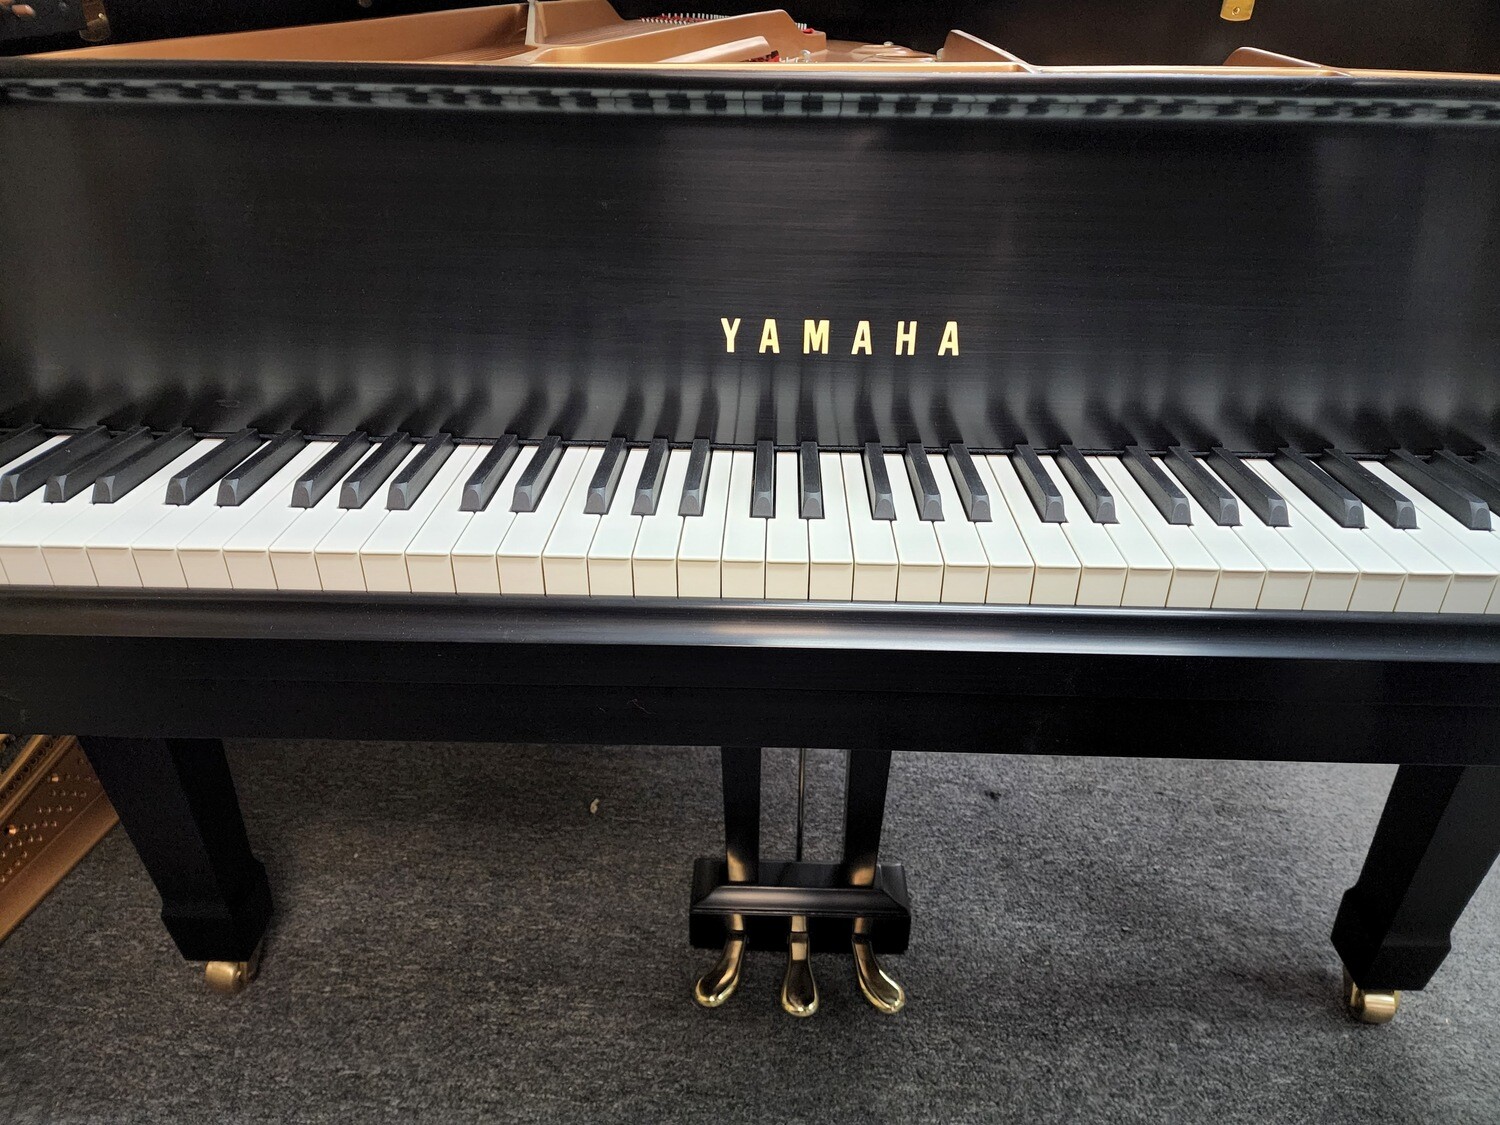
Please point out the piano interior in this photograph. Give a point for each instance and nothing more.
(591, 33)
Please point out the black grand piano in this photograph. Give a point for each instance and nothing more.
(544, 372)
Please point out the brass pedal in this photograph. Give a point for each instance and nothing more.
(799, 988)
(881, 989)
(52, 812)
(717, 985)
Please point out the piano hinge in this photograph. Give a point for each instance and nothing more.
(1237, 10)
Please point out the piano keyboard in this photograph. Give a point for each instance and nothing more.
(431, 515)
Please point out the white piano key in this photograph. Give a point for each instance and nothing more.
(154, 550)
(293, 561)
(66, 550)
(653, 560)
(966, 567)
(429, 555)
(14, 513)
(109, 547)
(565, 558)
(609, 562)
(830, 550)
(919, 577)
(1470, 554)
(519, 559)
(1288, 576)
(1195, 571)
(701, 549)
(787, 534)
(873, 545)
(1336, 576)
(744, 568)
(463, 548)
(1058, 570)
(337, 554)
(1148, 570)
(1101, 580)
(1379, 578)
(247, 555)
(1428, 577)
(26, 524)
(383, 556)
(200, 552)
(33, 522)
(1242, 576)
(1012, 572)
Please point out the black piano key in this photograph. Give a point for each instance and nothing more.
(878, 483)
(695, 484)
(246, 478)
(1463, 474)
(924, 487)
(1159, 488)
(1489, 460)
(1457, 501)
(377, 467)
(971, 490)
(606, 478)
(1039, 485)
(330, 468)
(485, 480)
(653, 472)
(1342, 506)
(120, 479)
(810, 473)
(763, 481)
(1098, 501)
(1252, 488)
(1206, 488)
(537, 474)
(72, 479)
(26, 478)
(418, 473)
(20, 442)
(1387, 503)
(205, 472)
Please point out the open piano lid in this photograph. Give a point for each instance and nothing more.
(591, 33)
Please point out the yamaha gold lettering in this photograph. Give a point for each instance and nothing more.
(822, 337)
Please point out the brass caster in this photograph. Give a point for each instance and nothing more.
(799, 988)
(1367, 1006)
(231, 977)
(879, 987)
(719, 983)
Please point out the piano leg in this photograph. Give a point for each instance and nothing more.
(864, 818)
(177, 802)
(1437, 838)
(741, 769)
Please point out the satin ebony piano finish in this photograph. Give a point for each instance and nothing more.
(1315, 687)
(1246, 262)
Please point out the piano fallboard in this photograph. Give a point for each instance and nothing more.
(1122, 682)
(1241, 261)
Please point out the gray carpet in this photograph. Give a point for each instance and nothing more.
(460, 938)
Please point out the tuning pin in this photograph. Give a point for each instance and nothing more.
(799, 989)
(879, 987)
(719, 983)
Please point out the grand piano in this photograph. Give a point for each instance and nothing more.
(545, 372)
